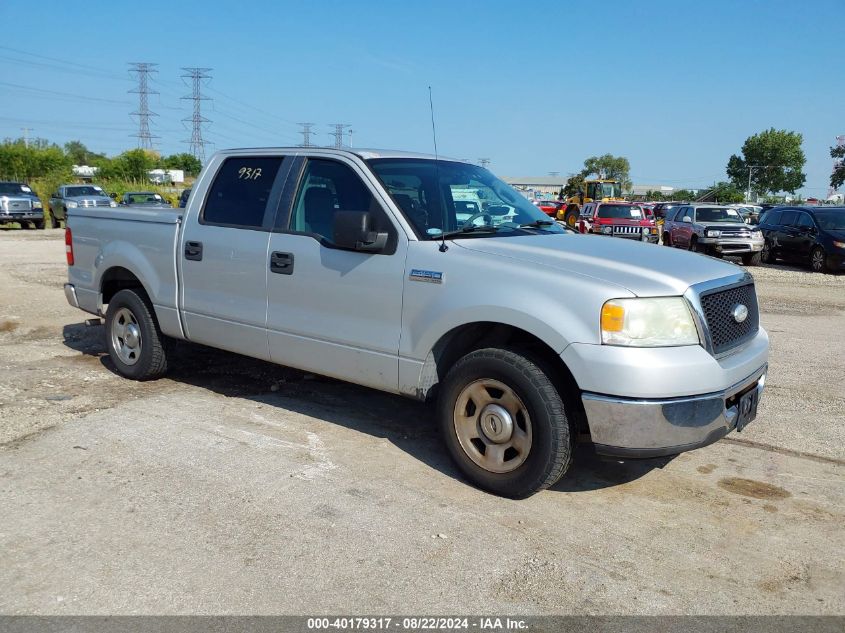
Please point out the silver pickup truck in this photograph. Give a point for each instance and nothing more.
(354, 264)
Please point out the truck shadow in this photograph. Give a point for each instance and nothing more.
(407, 424)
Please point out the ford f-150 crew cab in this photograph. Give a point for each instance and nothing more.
(359, 265)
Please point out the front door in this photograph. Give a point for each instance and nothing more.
(223, 255)
(331, 311)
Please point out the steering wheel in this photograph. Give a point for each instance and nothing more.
(481, 214)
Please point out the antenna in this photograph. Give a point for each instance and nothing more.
(443, 247)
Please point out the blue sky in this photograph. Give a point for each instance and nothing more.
(535, 86)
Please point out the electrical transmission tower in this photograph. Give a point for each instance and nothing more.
(484, 161)
(306, 134)
(339, 131)
(143, 71)
(197, 144)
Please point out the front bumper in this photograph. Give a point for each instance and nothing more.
(728, 246)
(22, 216)
(630, 427)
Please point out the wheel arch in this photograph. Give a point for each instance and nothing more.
(463, 339)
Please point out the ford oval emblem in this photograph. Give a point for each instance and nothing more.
(740, 313)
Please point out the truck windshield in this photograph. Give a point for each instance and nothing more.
(712, 214)
(445, 196)
(13, 189)
(620, 211)
(72, 192)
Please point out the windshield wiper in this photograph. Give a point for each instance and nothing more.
(536, 224)
(472, 228)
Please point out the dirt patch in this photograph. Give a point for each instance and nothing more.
(751, 488)
(8, 326)
(706, 470)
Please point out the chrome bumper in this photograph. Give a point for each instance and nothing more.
(628, 427)
(70, 295)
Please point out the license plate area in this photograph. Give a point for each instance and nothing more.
(747, 408)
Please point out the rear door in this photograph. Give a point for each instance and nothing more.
(787, 234)
(223, 254)
(805, 237)
(682, 230)
(331, 311)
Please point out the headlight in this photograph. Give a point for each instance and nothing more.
(607, 230)
(646, 230)
(36, 204)
(648, 322)
(112, 203)
(839, 244)
(70, 204)
(713, 233)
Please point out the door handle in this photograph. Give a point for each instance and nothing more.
(193, 251)
(281, 263)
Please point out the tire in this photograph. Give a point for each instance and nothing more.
(570, 218)
(54, 223)
(693, 245)
(766, 254)
(528, 407)
(751, 259)
(26, 226)
(667, 239)
(818, 260)
(139, 353)
(39, 225)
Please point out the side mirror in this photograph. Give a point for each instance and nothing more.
(687, 219)
(353, 230)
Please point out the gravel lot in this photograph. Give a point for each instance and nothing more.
(238, 487)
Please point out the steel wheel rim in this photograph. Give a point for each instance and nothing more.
(572, 221)
(493, 426)
(818, 259)
(126, 336)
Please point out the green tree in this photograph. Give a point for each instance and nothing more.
(683, 195)
(612, 167)
(189, 163)
(837, 178)
(727, 192)
(33, 159)
(134, 164)
(79, 154)
(773, 158)
(574, 185)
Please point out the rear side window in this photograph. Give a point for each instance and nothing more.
(788, 218)
(772, 217)
(238, 197)
(805, 221)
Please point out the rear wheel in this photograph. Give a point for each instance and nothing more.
(54, 223)
(38, 224)
(693, 245)
(135, 343)
(818, 260)
(504, 422)
(667, 239)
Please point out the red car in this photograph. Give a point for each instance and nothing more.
(618, 219)
(549, 207)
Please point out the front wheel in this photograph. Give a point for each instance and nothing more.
(751, 259)
(135, 343)
(54, 223)
(504, 422)
(38, 224)
(570, 216)
(766, 254)
(818, 260)
(694, 246)
(667, 239)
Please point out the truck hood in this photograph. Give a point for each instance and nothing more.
(644, 269)
(88, 198)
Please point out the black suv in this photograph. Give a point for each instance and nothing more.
(807, 235)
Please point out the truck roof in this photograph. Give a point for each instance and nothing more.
(365, 153)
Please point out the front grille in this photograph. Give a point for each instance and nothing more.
(718, 307)
(15, 205)
(738, 232)
(627, 230)
(102, 203)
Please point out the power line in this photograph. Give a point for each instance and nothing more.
(143, 71)
(338, 133)
(306, 134)
(42, 92)
(197, 144)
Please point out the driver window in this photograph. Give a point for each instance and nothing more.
(805, 221)
(327, 187)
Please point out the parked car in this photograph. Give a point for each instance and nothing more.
(144, 199)
(806, 235)
(617, 219)
(73, 196)
(183, 198)
(713, 230)
(526, 335)
(549, 207)
(19, 203)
